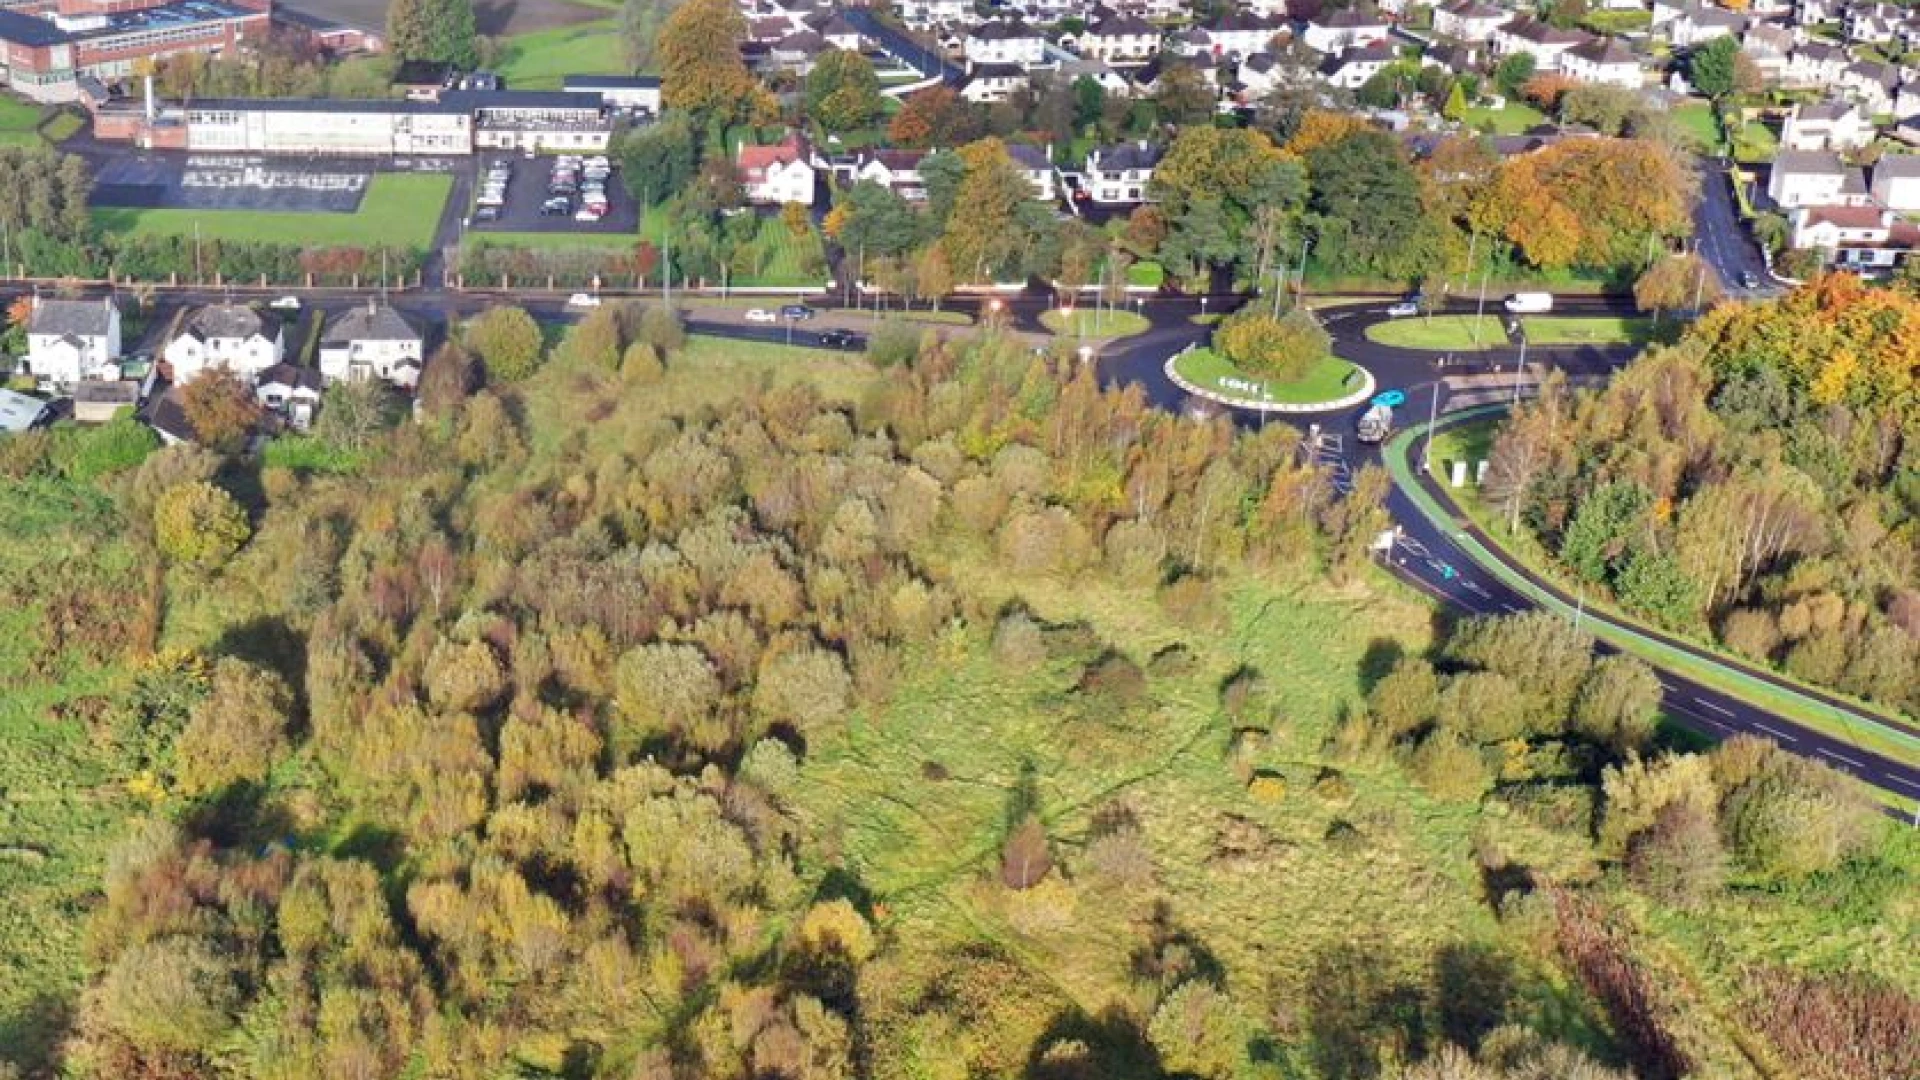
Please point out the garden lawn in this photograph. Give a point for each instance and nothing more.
(1696, 119)
(1515, 118)
(783, 257)
(539, 60)
(1572, 330)
(19, 123)
(1085, 322)
(1453, 333)
(1327, 380)
(1146, 274)
(399, 209)
(62, 127)
(1757, 143)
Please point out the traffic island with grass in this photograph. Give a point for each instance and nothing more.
(1091, 324)
(1329, 383)
(1441, 333)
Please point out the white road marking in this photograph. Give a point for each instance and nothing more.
(1904, 780)
(1842, 757)
(1776, 734)
(1474, 588)
(1511, 608)
(1721, 709)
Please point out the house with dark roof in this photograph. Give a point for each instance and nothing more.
(71, 340)
(837, 32)
(1896, 182)
(290, 392)
(1604, 61)
(1543, 41)
(640, 92)
(244, 340)
(1120, 39)
(1469, 20)
(988, 83)
(1351, 69)
(1118, 175)
(1826, 125)
(371, 341)
(1004, 42)
(1334, 31)
(1036, 164)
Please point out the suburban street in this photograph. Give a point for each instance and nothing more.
(1725, 243)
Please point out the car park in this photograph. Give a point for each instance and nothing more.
(760, 315)
(797, 312)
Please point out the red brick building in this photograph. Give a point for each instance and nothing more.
(59, 50)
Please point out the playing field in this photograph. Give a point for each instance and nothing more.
(399, 209)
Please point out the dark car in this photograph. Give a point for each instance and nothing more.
(1749, 279)
(556, 209)
(797, 312)
(841, 339)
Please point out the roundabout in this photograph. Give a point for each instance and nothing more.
(1332, 383)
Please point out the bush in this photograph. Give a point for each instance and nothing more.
(1449, 768)
(1281, 349)
(199, 525)
(507, 341)
(1025, 860)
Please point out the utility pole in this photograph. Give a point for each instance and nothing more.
(1699, 284)
(1433, 415)
(1520, 364)
(1480, 311)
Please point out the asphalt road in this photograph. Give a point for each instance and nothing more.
(1725, 243)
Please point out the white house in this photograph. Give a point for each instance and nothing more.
(1546, 43)
(1906, 102)
(371, 342)
(1258, 75)
(1118, 175)
(1871, 24)
(1469, 20)
(1603, 61)
(1121, 39)
(1815, 64)
(1828, 125)
(896, 170)
(71, 340)
(1807, 178)
(1896, 182)
(988, 83)
(1036, 164)
(1237, 34)
(1334, 31)
(1695, 25)
(232, 336)
(1872, 85)
(774, 175)
(999, 42)
(1769, 46)
(291, 392)
(839, 33)
(1351, 69)
(1859, 237)
(925, 13)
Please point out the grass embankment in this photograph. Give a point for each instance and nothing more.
(1549, 330)
(1089, 323)
(1514, 118)
(1451, 333)
(1328, 379)
(398, 210)
(541, 59)
(1472, 442)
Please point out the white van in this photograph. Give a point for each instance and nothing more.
(1530, 303)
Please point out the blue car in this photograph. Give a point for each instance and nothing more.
(1392, 399)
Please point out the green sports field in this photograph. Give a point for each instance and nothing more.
(400, 209)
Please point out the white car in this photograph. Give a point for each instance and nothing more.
(581, 299)
(761, 315)
(286, 303)
(1403, 309)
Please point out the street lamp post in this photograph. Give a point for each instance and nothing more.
(1520, 364)
(1433, 416)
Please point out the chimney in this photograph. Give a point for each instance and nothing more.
(149, 99)
(1143, 146)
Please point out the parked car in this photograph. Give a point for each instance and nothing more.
(286, 303)
(1403, 309)
(559, 209)
(761, 315)
(1749, 279)
(841, 339)
(585, 214)
(487, 213)
(581, 299)
(797, 312)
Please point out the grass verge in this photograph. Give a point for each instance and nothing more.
(1451, 333)
(1088, 323)
(400, 209)
(1630, 635)
(541, 59)
(1327, 380)
(1577, 330)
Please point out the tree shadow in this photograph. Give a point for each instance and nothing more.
(1475, 985)
(1081, 1047)
(1382, 653)
(34, 1030)
(269, 643)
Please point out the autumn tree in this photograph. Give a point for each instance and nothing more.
(507, 341)
(238, 731)
(843, 93)
(221, 408)
(935, 116)
(1674, 282)
(700, 65)
(1025, 859)
(198, 524)
(1280, 350)
(983, 240)
(437, 30)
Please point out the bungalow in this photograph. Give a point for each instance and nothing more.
(1333, 32)
(1604, 61)
(1118, 175)
(774, 175)
(71, 340)
(1469, 20)
(291, 393)
(1351, 69)
(1120, 39)
(1808, 178)
(1544, 42)
(1859, 237)
(371, 342)
(1002, 42)
(988, 83)
(1036, 164)
(232, 336)
(1828, 125)
(1258, 75)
